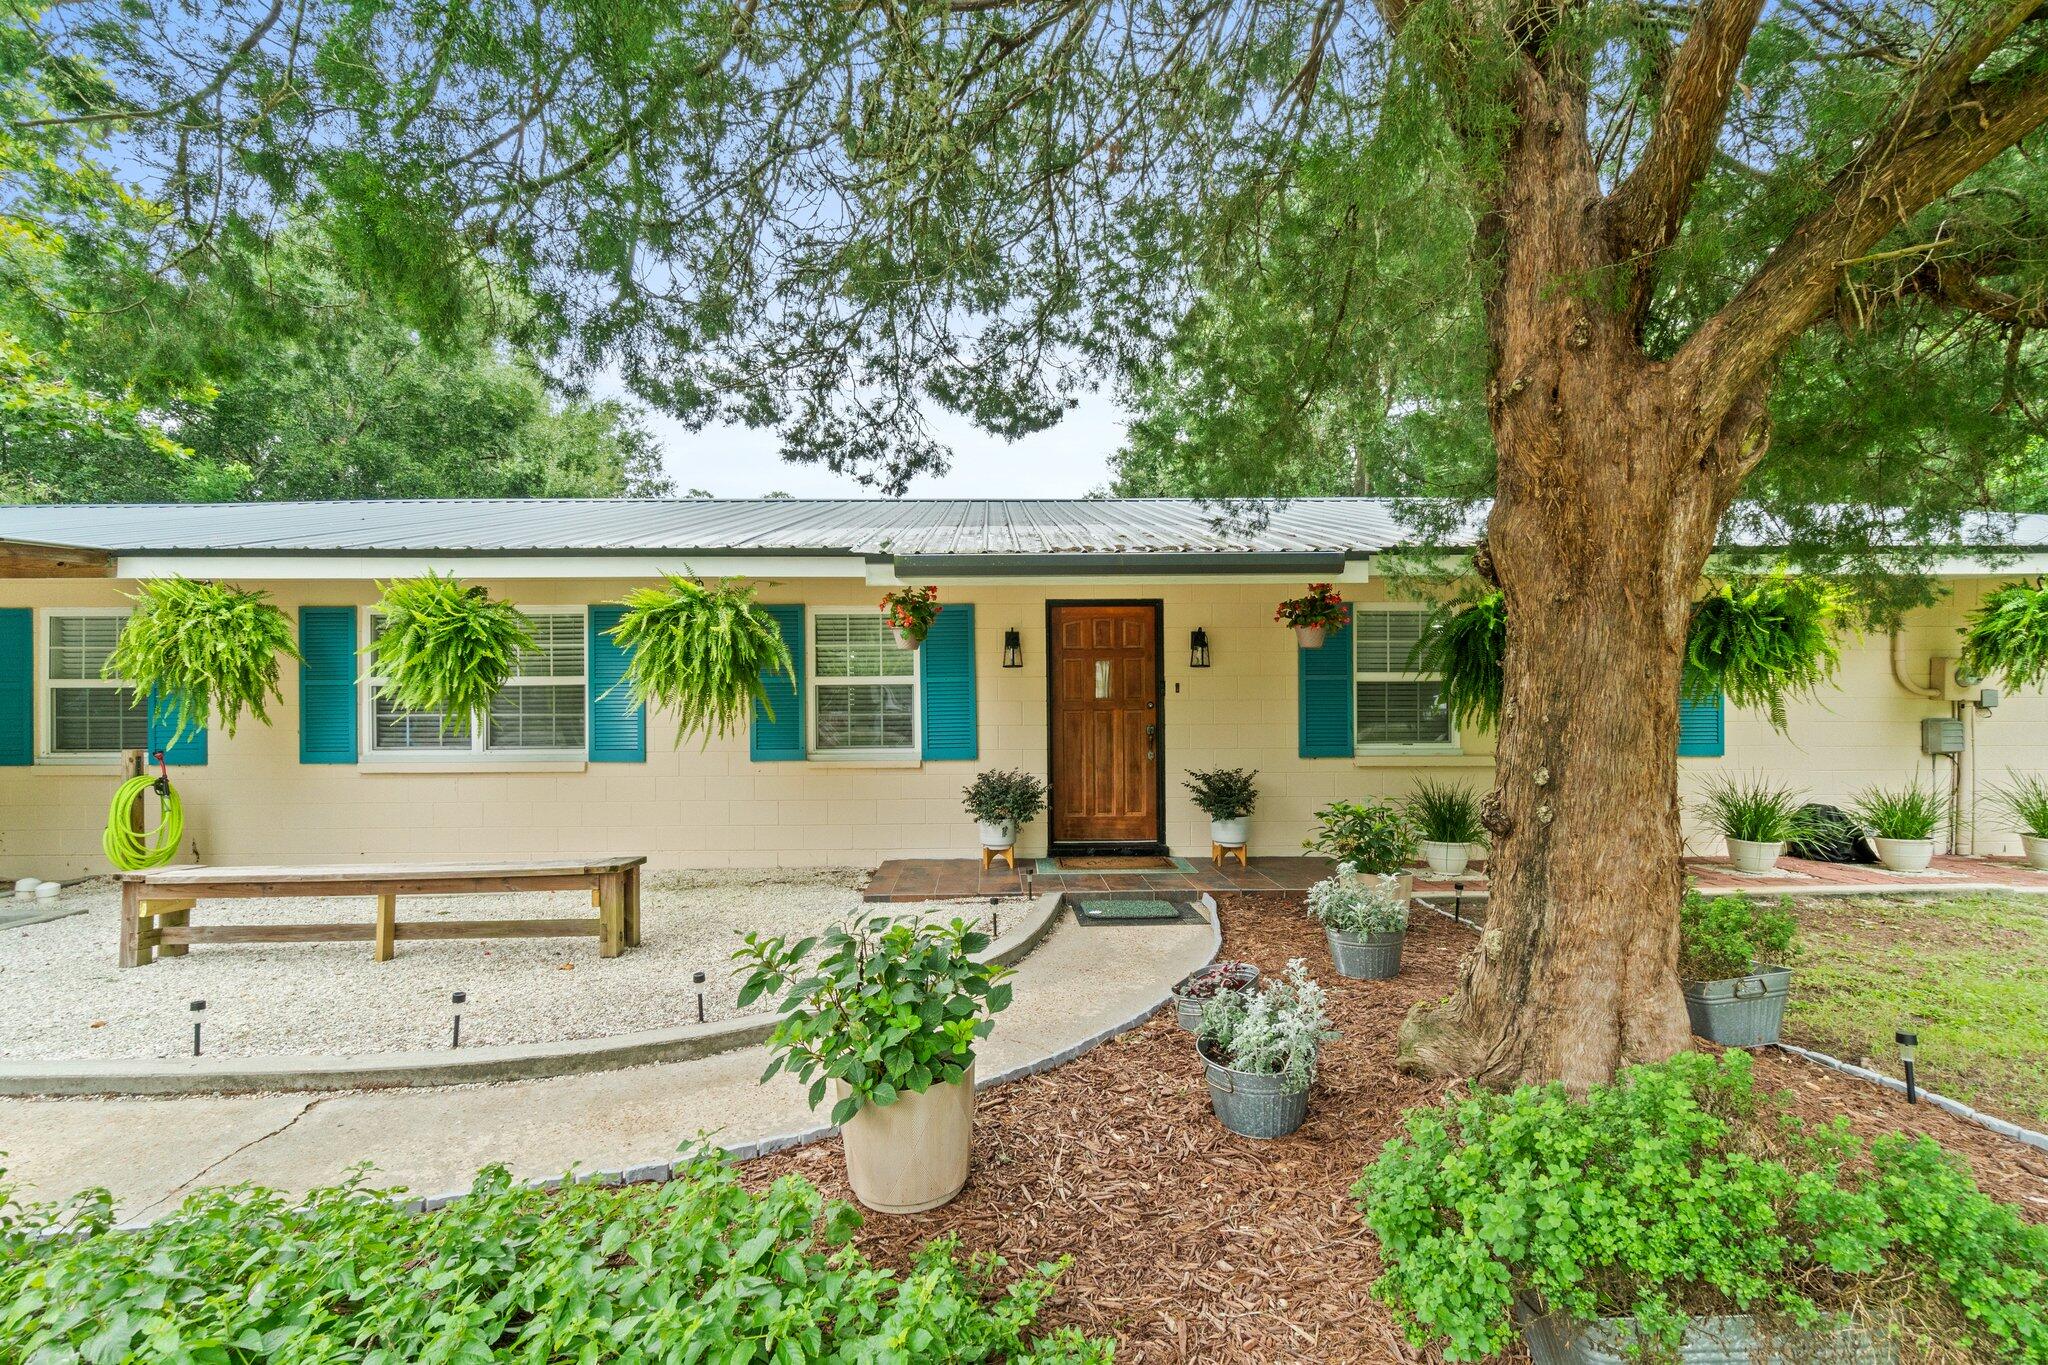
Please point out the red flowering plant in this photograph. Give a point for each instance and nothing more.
(912, 611)
(1320, 607)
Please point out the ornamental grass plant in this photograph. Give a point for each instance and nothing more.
(206, 652)
(2024, 797)
(1444, 813)
(704, 650)
(1755, 809)
(1909, 812)
(443, 647)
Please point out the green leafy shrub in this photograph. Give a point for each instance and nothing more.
(1756, 809)
(2008, 634)
(1678, 1190)
(706, 650)
(890, 1006)
(696, 1268)
(1764, 640)
(2025, 799)
(1372, 836)
(208, 651)
(912, 610)
(996, 797)
(1719, 937)
(445, 647)
(1445, 813)
(1464, 643)
(1350, 903)
(1224, 793)
(1275, 1030)
(1909, 812)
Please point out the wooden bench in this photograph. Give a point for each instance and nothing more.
(156, 906)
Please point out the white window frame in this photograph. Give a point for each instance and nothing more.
(812, 684)
(1453, 745)
(478, 749)
(46, 688)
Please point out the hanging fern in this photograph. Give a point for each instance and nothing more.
(445, 647)
(1764, 640)
(206, 650)
(705, 650)
(2008, 634)
(1464, 643)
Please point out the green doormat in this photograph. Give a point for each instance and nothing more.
(1132, 910)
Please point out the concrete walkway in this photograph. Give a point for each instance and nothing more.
(1080, 983)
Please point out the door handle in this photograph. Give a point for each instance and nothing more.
(1151, 749)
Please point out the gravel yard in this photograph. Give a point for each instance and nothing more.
(61, 996)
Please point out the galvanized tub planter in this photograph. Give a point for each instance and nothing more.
(1187, 1011)
(1742, 1011)
(1253, 1105)
(1555, 1339)
(1366, 957)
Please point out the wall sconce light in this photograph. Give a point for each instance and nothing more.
(1013, 649)
(1198, 648)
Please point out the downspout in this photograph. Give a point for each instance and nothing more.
(1898, 676)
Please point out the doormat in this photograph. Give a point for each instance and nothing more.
(1115, 862)
(1100, 910)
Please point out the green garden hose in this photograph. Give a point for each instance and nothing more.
(131, 849)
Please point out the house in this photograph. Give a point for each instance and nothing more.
(1109, 644)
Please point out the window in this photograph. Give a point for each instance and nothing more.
(88, 716)
(539, 712)
(1397, 707)
(863, 688)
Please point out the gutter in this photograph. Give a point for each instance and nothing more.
(1129, 564)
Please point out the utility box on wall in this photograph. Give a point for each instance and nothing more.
(1941, 735)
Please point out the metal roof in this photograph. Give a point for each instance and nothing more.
(898, 529)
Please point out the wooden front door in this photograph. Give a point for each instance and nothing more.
(1105, 726)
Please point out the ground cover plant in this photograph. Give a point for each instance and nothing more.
(1679, 1190)
(694, 1269)
(1719, 937)
(207, 651)
(705, 649)
(443, 647)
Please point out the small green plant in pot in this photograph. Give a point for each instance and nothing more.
(1227, 796)
(1731, 962)
(911, 612)
(1901, 822)
(1365, 922)
(1259, 1048)
(445, 649)
(887, 1015)
(1000, 802)
(1313, 615)
(1757, 817)
(206, 651)
(2025, 799)
(1446, 820)
(1372, 836)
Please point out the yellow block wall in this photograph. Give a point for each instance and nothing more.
(710, 806)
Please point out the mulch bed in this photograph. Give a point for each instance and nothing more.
(1191, 1244)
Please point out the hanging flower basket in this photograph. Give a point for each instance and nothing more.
(911, 612)
(206, 651)
(1319, 611)
(445, 648)
(706, 650)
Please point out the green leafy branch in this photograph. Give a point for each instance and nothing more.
(205, 651)
(444, 647)
(704, 649)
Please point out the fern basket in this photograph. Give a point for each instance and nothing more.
(443, 647)
(207, 652)
(705, 650)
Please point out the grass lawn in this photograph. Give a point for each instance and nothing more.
(1968, 973)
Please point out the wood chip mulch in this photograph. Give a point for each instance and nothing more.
(1191, 1244)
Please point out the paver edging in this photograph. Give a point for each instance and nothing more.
(2002, 1127)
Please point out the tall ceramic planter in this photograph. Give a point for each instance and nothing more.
(1366, 957)
(1230, 833)
(997, 834)
(1251, 1104)
(2036, 846)
(1751, 856)
(1904, 855)
(911, 1155)
(1742, 1011)
(1309, 637)
(1555, 1339)
(1446, 859)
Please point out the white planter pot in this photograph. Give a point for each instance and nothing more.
(1231, 833)
(1002, 834)
(1904, 855)
(1748, 855)
(904, 639)
(911, 1155)
(1446, 859)
(1309, 637)
(2036, 846)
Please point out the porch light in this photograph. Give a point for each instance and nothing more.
(1909, 1047)
(1013, 649)
(1198, 648)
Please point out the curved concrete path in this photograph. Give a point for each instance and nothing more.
(1080, 985)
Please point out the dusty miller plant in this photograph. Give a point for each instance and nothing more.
(1275, 1031)
(1353, 903)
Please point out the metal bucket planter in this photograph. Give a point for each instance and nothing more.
(1742, 1011)
(1253, 1105)
(1188, 1012)
(1366, 957)
(1555, 1339)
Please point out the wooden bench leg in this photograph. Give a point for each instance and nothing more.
(387, 928)
(611, 914)
(632, 907)
(131, 926)
(166, 916)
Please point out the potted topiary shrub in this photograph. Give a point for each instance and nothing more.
(1365, 921)
(1731, 956)
(1446, 819)
(1227, 796)
(1259, 1049)
(1901, 822)
(999, 803)
(1313, 614)
(1372, 836)
(2026, 800)
(886, 1017)
(704, 649)
(911, 612)
(1201, 987)
(206, 651)
(445, 648)
(1757, 817)
(1680, 1213)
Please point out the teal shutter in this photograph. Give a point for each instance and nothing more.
(188, 749)
(949, 711)
(781, 739)
(1701, 733)
(17, 687)
(1327, 695)
(618, 724)
(327, 685)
